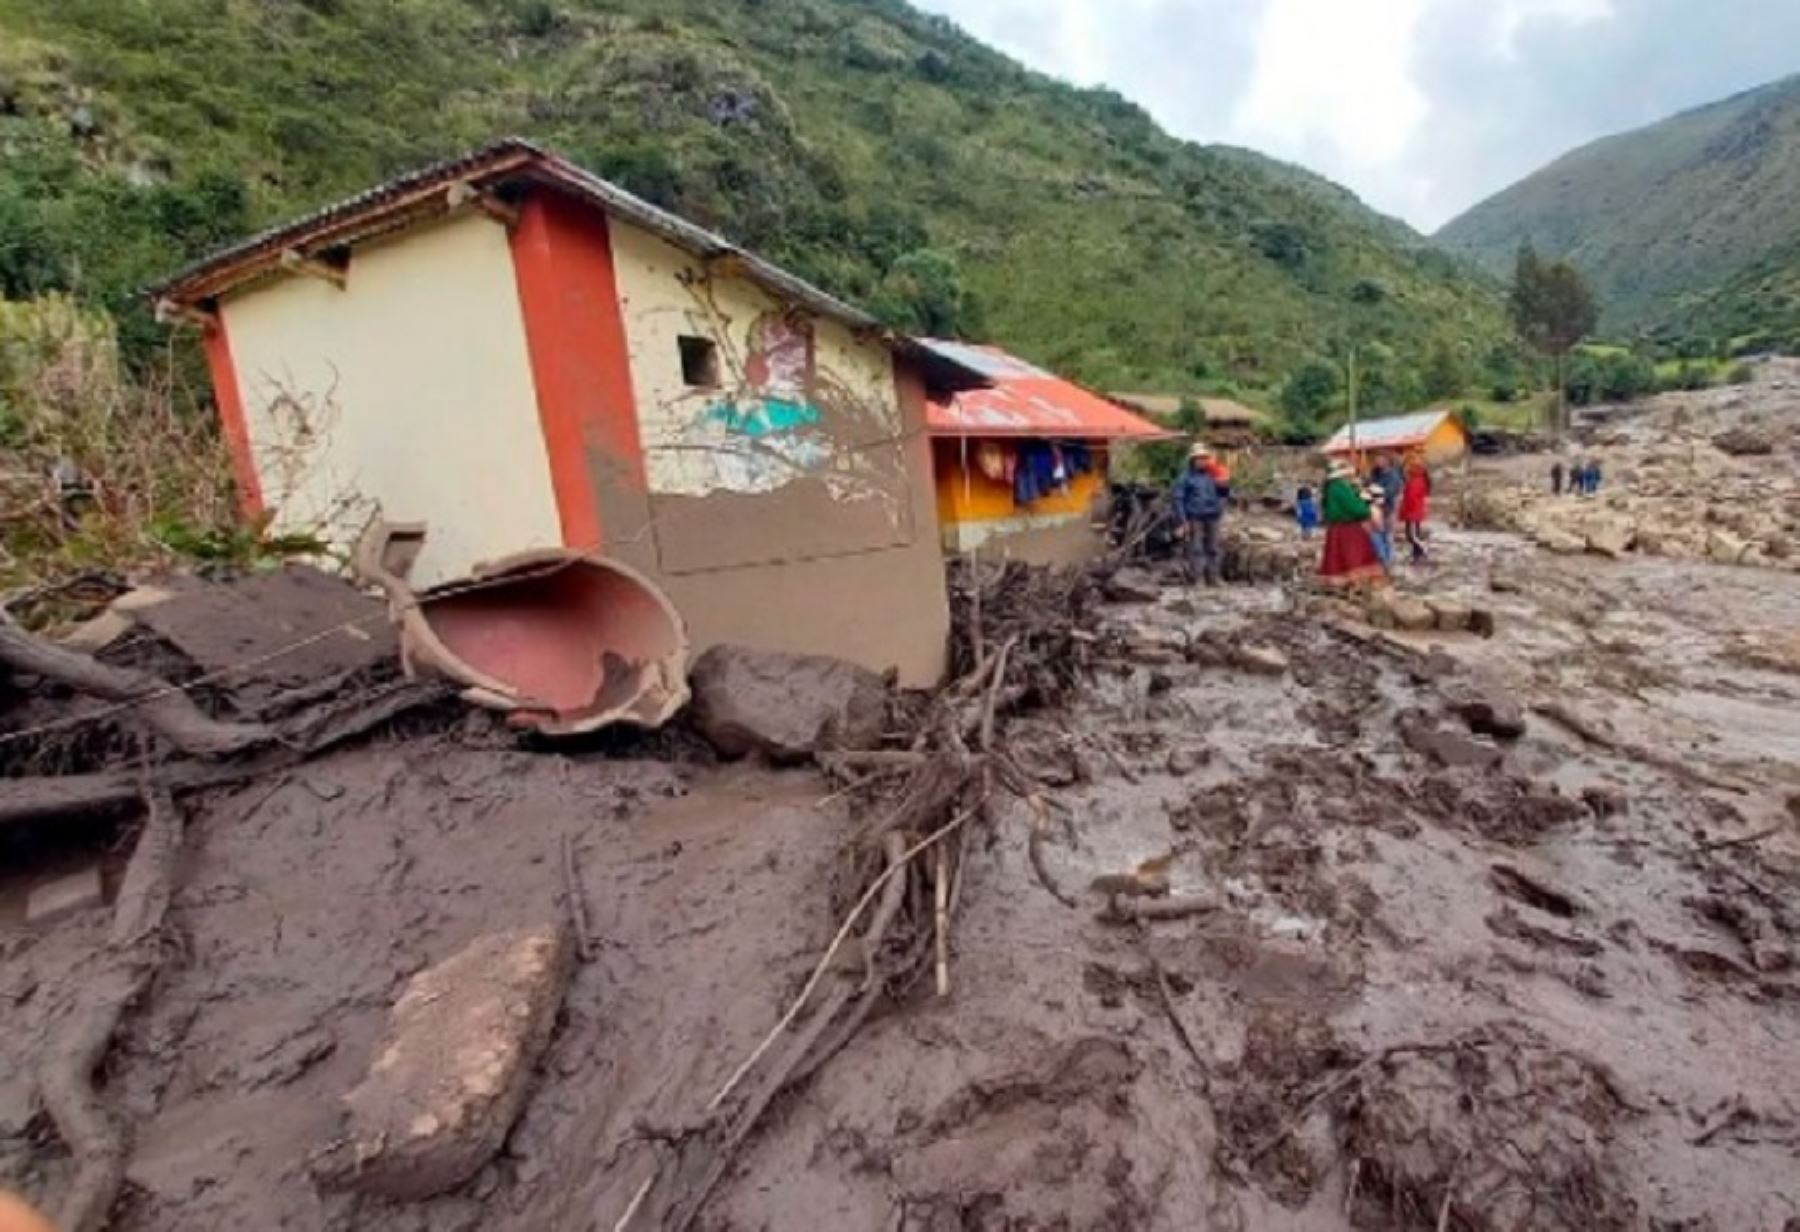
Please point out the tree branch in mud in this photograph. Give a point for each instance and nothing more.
(126, 966)
(165, 707)
(74, 797)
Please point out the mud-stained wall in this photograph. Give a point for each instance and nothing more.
(790, 503)
(797, 430)
(409, 391)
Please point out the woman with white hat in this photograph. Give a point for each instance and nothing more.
(1350, 558)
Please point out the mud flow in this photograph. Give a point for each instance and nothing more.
(1259, 917)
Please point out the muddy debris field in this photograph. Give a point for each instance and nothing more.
(1181, 909)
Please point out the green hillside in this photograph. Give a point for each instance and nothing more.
(874, 149)
(1660, 216)
(1755, 309)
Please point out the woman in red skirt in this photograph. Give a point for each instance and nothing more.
(1350, 557)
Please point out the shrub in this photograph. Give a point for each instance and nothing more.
(1740, 374)
(101, 471)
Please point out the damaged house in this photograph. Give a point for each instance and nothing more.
(1020, 454)
(515, 356)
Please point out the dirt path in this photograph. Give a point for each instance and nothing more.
(1448, 981)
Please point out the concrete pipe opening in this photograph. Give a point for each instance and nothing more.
(562, 641)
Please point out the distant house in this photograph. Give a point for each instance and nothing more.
(1020, 455)
(1228, 422)
(1438, 435)
(521, 355)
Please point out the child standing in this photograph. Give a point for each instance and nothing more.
(1306, 512)
(1379, 534)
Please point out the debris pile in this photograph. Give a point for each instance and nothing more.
(1175, 905)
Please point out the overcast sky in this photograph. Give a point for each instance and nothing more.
(1423, 107)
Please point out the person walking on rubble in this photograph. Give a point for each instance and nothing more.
(1414, 499)
(1200, 497)
(1556, 477)
(1350, 557)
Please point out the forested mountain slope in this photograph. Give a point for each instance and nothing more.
(874, 149)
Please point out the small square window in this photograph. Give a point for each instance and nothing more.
(699, 361)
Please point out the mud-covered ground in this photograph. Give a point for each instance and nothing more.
(1448, 981)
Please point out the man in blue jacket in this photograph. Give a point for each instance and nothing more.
(1200, 497)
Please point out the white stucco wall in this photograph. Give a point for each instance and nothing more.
(409, 392)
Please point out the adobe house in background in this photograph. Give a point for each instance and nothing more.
(521, 355)
(1020, 454)
(1437, 436)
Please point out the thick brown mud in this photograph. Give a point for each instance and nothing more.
(1446, 981)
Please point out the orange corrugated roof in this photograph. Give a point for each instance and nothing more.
(1023, 400)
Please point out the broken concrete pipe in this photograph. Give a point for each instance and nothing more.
(562, 641)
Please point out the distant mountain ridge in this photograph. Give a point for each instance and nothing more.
(1661, 217)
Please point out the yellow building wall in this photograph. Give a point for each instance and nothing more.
(1446, 443)
(975, 511)
(408, 392)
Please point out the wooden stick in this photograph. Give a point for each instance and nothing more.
(577, 902)
(993, 696)
(837, 943)
(977, 646)
(940, 876)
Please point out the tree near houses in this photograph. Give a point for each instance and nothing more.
(1553, 308)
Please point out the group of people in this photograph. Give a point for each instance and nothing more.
(1359, 520)
(1583, 478)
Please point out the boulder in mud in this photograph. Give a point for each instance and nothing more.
(1389, 609)
(1554, 539)
(1744, 442)
(1133, 586)
(1449, 749)
(1725, 548)
(1490, 714)
(1610, 536)
(785, 706)
(1450, 614)
(452, 1068)
(1261, 660)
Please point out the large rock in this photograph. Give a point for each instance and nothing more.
(1491, 713)
(1554, 539)
(1744, 441)
(1449, 749)
(785, 706)
(1390, 609)
(1610, 536)
(452, 1068)
(1725, 548)
(1450, 614)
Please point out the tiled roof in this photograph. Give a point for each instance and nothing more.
(1019, 399)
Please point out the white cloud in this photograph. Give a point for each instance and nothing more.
(1421, 106)
(1333, 77)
